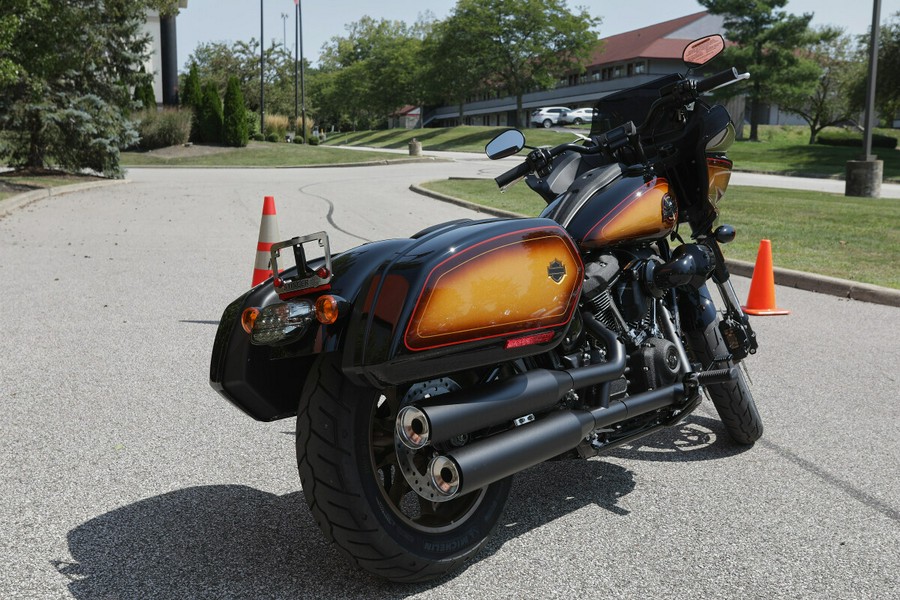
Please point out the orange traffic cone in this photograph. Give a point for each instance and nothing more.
(268, 235)
(761, 300)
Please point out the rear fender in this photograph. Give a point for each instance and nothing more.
(265, 381)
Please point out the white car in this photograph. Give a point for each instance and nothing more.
(578, 116)
(548, 117)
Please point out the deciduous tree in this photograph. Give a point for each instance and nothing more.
(517, 45)
(829, 103)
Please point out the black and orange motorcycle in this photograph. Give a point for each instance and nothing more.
(425, 372)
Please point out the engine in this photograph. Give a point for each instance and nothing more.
(622, 300)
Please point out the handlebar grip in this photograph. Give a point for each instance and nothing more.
(512, 175)
(714, 81)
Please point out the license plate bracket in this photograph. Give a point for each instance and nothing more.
(307, 280)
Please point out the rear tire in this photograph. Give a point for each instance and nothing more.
(733, 400)
(547, 123)
(358, 495)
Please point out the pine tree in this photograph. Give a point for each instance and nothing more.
(66, 76)
(236, 132)
(209, 115)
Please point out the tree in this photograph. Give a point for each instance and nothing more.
(209, 116)
(217, 62)
(830, 102)
(66, 79)
(887, 81)
(191, 95)
(371, 72)
(522, 44)
(766, 44)
(235, 130)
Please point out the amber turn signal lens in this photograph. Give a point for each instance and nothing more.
(248, 318)
(327, 309)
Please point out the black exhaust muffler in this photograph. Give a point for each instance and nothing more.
(449, 415)
(484, 462)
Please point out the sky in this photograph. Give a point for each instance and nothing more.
(232, 20)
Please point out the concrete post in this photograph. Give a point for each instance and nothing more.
(864, 178)
(415, 147)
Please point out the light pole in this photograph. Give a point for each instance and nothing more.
(298, 59)
(284, 18)
(863, 176)
(262, 73)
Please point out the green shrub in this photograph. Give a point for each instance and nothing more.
(235, 132)
(849, 138)
(298, 140)
(144, 94)
(209, 116)
(313, 140)
(273, 137)
(253, 123)
(258, 137)
(167, 127)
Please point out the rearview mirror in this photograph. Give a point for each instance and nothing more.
(699, 52)
(506, 144)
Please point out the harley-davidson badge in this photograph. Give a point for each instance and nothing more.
(556, 271)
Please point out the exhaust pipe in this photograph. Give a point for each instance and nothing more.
(449, 415)
(482, 463)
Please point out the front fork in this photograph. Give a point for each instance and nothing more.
(735, 326)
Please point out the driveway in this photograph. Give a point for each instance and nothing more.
(126, 476)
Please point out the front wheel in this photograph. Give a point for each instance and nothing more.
(733, 400)
(353, 484)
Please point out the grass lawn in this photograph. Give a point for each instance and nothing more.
(12, 184)
(256, 154)
(457, 139)
(849, 238)
(782, 149)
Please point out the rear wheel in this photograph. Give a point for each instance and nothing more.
(578, 121)
(733, 400)
(352, 480)
(547, 123)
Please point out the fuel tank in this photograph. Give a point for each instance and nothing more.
(474, 295)
(630, 208)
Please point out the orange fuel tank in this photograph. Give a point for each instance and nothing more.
(627, 210)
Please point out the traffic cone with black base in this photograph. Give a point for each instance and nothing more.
(268, 235)
(761, 300)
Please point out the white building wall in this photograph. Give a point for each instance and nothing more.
(153, 64)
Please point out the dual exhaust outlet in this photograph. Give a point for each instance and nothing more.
(480, 463)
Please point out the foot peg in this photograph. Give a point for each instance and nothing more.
(715, 376)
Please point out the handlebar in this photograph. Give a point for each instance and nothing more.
(684, 91)
(719, 79)
(510, 177)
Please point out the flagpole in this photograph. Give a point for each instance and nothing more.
(302, 88)
(302, 124)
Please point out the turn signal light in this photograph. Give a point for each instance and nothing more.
(248, 318)
(328, 309)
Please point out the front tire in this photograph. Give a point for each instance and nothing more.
(733, 400)
(358, 496)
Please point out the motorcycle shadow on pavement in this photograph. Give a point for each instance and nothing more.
(234, 541)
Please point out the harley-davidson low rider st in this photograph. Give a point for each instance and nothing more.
(425, 372)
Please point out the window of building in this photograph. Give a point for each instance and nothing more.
(640, 68)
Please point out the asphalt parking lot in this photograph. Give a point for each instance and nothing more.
(126, 476)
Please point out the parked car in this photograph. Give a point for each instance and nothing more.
(548, 117)
(577, 116)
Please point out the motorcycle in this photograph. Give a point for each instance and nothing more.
(426, 372)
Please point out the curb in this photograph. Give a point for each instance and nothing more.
(810, 282)
(22, 200)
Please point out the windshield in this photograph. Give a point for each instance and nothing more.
(631, 104)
